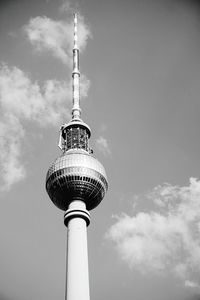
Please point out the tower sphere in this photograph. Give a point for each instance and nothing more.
(76, 175)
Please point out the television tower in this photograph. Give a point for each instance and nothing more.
(76, 183)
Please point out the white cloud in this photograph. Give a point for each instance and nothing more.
(21, 101)
(11, 134)
(27, 100)
(56, 36)
(84, 86)
(103, 146)
(165, 239)
(191, 284)
(67, 7)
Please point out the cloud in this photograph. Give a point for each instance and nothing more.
(67, 7)
(11, 134)
(191, 284)
(27, 100)
(56, 37)
(103, 146)
(22, 100)
(165, 239)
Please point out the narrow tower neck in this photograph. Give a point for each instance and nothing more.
(76, 111)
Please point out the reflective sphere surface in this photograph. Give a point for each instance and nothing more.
(76, 175)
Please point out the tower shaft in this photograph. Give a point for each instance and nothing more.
(77, 274)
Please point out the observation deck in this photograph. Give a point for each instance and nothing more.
(76, 175)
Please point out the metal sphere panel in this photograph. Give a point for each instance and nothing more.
(76, 175)
(77, 158)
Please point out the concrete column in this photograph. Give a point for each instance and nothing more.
(77, 281)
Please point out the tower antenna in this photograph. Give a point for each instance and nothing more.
(76, 110)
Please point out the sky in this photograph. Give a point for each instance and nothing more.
(140, 87)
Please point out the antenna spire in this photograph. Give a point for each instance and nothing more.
(76, 110)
